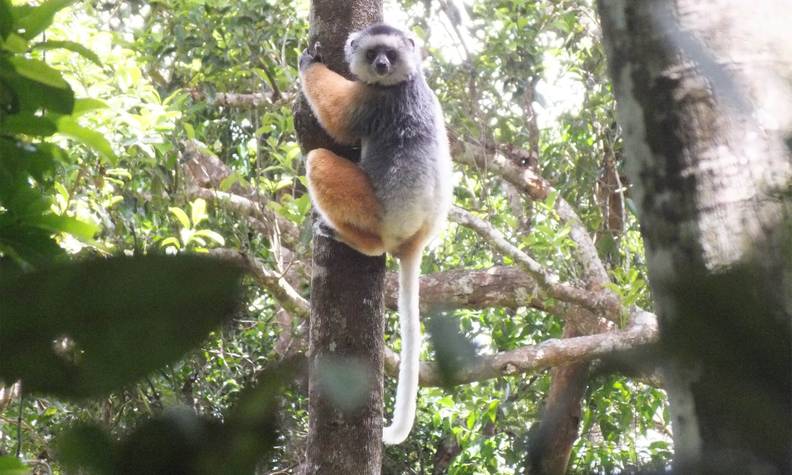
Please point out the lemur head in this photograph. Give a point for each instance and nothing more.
(382, 55)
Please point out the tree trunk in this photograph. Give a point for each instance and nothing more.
(704, 89)
(346, 325)
(550, 446)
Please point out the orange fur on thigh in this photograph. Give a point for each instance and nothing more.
(345, 196)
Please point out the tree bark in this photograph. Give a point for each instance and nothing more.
(550, 446)
(346, 324)
(703, 90)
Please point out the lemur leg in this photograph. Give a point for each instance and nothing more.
(344, 197)
(331, 97)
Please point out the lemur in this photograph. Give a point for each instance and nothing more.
(397, 197)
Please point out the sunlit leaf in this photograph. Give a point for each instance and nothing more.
(37, 19)
(38, 71)
(87, 104)
(15, 43)
(209, 234)
(198, 211)
(170, 241)
(189, 131)
(66, 224)
(91, 138)
(229, 181)
(71, 46)
(179, 213)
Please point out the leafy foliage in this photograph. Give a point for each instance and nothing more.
(95, 115)
(94, 326)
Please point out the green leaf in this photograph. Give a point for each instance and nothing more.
(67, 126)
(184, 220)
(37, 19)
(6, 19)
(15, 43)
(229, 181)
(30, 95)
(121, 319)
(189, 130)
(170, 241)
(28, 124)
(209, 234)
(38, 71)
(87, 104)
(11, 465)
(66, 224)
(198, 211)
(71, 46)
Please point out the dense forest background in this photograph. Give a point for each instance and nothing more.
(165, 128)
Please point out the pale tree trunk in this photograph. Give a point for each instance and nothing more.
(704, 92)
(346, 325)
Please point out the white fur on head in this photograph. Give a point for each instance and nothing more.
(406, 66)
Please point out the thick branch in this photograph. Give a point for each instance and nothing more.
(500, 286)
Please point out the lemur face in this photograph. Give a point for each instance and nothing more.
(382, 55)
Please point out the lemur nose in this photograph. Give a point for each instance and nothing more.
(381, 65)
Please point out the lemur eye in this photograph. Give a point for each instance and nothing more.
(371, 54)
(392, 56)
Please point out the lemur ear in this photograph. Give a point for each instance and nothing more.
(412, 42)
(352, 40)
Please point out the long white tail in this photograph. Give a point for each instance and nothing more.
(410, 326)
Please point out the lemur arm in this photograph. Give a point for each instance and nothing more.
(331, 96)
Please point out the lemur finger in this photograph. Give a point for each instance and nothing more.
(317, 53)
(306, 58)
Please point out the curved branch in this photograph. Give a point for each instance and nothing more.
(491, 157)
(600, 301)
(275, 283)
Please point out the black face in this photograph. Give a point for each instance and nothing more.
(382, 59)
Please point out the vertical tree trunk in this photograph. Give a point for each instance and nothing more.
(704, 89)
(550, 446)
(346, 327)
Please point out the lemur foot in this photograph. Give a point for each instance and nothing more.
(321, 228)
(309, 57)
